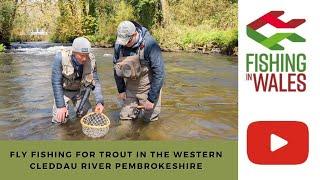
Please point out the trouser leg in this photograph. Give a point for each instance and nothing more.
(129, 110)
(153, 114)
(55, 109)
(72, 102)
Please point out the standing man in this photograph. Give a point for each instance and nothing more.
(138, 71)
(73, 72)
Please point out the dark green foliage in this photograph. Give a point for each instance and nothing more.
(148, 12)
(7, 14)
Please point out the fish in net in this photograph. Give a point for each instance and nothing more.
(95, 124)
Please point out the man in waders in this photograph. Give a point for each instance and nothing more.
(74, 71)
(138, 72)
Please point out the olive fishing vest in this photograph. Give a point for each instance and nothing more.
(132, 67)
(70, 80)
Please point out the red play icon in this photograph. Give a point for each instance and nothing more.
(277, 142)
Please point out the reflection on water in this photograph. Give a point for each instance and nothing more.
(197, 94)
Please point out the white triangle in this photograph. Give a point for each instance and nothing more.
(277, 142)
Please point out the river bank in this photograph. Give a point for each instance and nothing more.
(181, 38)
(200, 50)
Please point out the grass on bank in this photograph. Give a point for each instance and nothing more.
(201, 38)
(2, 48)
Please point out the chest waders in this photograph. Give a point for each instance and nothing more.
(137, 74)
(135, 70)
(74, 88)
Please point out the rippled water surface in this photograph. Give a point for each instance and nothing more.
(199, 98)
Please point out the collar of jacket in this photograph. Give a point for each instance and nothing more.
(137, 44)
(75, 61)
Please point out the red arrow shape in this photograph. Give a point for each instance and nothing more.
(272, 19)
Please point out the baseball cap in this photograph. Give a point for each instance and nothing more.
(81, 45)
(124, 32)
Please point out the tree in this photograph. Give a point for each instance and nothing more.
(33, 16)
(165, 12)
(7, 15)
(148, 12)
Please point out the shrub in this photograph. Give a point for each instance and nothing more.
(2, 48)
(190, 38)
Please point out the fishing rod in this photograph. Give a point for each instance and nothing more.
(84, 98)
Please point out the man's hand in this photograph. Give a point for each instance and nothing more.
(62, 113)
(148, 105)
(122, 96)
(99, 108)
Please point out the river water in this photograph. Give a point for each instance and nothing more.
(199, 98)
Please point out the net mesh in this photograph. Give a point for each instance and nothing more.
(95, 125)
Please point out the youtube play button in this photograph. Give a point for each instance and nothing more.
(277, 142)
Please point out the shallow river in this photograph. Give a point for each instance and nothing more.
(199, 98)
